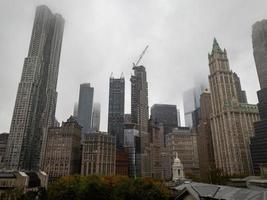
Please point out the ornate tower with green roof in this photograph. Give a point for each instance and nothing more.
(231, 117)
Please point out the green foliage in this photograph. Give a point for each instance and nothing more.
(107, 188)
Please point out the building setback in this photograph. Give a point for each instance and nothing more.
(63, 150)
(85, 107)
(231, 120)
(116, 109)
(184, 142)
(204, 137)
(259, 141)
(139, 110)
(36, 98)
(98, 154)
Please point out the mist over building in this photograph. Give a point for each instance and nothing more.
(35, 105)
(96, 116)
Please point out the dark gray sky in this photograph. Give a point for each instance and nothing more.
(104, 36)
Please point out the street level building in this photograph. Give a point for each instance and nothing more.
(63, 150)
(36, 98)
(183, 141)
(98, 154)
(231, 119)
(122, 160)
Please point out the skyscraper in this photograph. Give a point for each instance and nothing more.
(165, 114)
(139, 111)
(36, 99)
(204, 137)
(96, 117)
(259, 141)
(116, 109)
(75, 109)
(191, 103)
(231, 120)
(85, 107)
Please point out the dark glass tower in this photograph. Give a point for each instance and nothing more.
(165, 114)
(259, 141)
(36, 99)
(116, 109)
(85, 107)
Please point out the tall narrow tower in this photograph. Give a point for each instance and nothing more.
(35, 104)
(139, 114)
(85, 107)
(231, 119)
(116, 109)
(259, 142)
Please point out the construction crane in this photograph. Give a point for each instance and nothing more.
(141, 56)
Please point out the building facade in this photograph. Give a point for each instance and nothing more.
(63, 150)
(85, 107)
(139, 111)
(132, 147)
(184, 142)
(165, 114)
(116, 109)
(98, 154)
(96, 116)
(3, 146)
(204, 137)
(122, 162)
(259, 141)
(231, 120)
(36, 98)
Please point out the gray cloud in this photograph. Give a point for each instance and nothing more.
(104, 36)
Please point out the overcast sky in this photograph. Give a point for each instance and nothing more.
(104, 36)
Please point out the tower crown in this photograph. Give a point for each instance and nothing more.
(216, 47)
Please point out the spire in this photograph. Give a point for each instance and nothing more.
(216, 46)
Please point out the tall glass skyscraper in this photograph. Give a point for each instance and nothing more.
(36, 98)
(116, 109)
(85, 107)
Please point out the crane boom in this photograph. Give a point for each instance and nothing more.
(141, 56)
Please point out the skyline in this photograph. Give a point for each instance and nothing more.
(160, 51)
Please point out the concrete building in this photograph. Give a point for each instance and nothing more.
(116, 109)
(231, 120)
(96, 116)
(85, 107)
(204, 137)
(36, 98)
(259, 141)
(165, 114)
(184, 142)
(12, 182)
(166, 160)
(122, 162)
(139, 109)
(63, 150)
(132, 147)
(3, 146)
(156, 146)
(98, 154)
